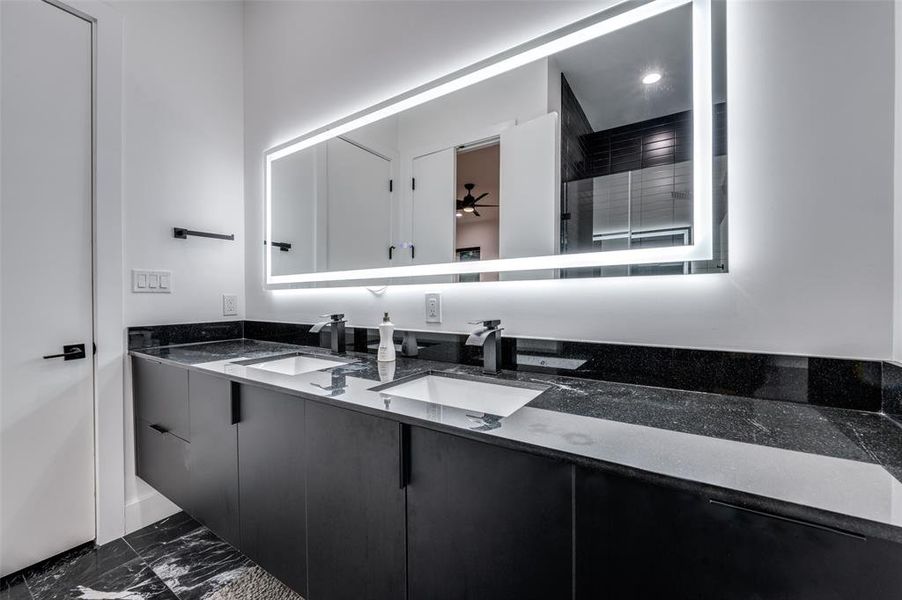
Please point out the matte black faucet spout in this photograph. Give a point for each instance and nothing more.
(336, 325)
(489, 337)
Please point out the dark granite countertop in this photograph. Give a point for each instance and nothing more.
(837, 467)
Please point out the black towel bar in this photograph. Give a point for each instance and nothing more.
(283, 246)
(182, 234)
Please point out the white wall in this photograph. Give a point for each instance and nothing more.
(183, 159)
(183, 154)
(811, 113)
(295, 201)
(897, 313)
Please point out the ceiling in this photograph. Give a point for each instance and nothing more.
(606, 73)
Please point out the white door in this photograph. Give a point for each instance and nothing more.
(359, 209)
(46, 406)
(530, 193)
(432, 211)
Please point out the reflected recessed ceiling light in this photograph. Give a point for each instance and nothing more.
(651, 78)
(458, 214)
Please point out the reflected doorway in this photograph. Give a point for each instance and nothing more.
(478, 205)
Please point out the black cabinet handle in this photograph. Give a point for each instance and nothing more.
(236, 403)
(413, 252)
(70, 352)
(786, 519)
(403, 454)
(391, 251)
(159, 428)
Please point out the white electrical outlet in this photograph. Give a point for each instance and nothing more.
(434, 308)
(229, 305)
(151, 282)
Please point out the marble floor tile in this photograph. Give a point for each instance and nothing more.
(14, 588)
(87, 563)
(174, 559)
(131, 581)
(198, 564)
(153, 539)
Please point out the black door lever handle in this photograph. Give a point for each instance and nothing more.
(70, 352)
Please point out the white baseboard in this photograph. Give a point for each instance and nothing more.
(149, 508)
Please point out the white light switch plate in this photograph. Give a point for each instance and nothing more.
(151, 282)
(229, 305)
(434, 308)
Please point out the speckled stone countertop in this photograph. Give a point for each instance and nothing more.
(836, 467)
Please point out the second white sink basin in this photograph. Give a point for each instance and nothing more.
(469, 394)
(297, 365)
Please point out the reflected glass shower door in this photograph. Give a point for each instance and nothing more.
(641, 208)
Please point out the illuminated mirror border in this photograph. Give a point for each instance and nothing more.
(602, 23)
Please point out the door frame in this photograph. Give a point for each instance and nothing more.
(108, 268)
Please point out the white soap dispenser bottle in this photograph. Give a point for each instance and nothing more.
(386, 340)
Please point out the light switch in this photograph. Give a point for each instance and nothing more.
(145, 281)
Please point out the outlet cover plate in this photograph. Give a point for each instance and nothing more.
(433, 307)
(229, 305)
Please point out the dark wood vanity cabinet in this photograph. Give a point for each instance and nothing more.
(271, 469)
(213, 455)
(355, 506)
(638, 540)
(341, 504)
(485, 522)
(161, 428)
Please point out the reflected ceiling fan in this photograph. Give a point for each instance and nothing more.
(469, 204)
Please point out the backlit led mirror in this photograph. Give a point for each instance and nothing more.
(598, 150)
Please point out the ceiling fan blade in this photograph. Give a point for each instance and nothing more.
(481, 196)
(486, 205)
(476, 212)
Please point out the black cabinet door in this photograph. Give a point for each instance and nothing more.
(271, 468)
(485, 522)
(355, 506)
(161, 395)
(213, 456)
(638, 540)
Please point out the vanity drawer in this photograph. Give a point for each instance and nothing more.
(161, 395)
(161, 459)
(639, 540)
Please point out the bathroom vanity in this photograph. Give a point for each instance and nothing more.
(345, 486)
(596, 150)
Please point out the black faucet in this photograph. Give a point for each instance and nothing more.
(336, 325)
(489, 337)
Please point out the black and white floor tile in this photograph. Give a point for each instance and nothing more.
(173, 559)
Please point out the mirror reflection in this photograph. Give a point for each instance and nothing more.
(587, 150)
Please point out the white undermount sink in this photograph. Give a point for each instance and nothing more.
(469, 394)
(297, 365)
